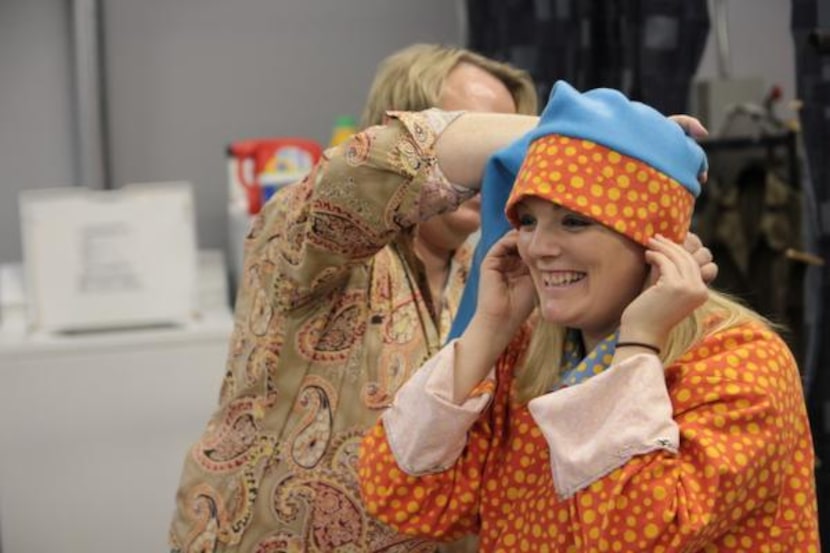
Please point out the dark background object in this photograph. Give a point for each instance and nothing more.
(750, 215)
(649, 49)
(810, 26)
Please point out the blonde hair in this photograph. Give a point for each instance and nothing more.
(412, 79)
(540, 370)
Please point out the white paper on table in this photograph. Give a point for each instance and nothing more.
(97, 259)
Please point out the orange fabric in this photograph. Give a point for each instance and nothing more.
(743, 479)
(620, 192)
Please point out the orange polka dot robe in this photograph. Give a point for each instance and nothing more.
(741, 479)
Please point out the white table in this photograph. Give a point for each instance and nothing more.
(94, 429)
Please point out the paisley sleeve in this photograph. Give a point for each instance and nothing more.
(360, 197)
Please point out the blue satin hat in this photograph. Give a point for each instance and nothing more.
(577, 156)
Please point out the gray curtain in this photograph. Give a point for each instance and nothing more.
(811, 35)
(649, 49)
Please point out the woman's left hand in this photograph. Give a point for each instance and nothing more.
(506, 295)
(675, 290)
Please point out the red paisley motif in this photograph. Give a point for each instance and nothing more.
(342, 232)
(329, 338)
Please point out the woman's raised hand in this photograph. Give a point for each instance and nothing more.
(675, 289)
(506, 295)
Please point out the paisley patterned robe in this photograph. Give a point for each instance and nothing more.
(332, 316)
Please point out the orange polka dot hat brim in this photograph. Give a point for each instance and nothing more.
(623, 193)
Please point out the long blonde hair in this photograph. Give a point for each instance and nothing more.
(412, 79)
(540, 370)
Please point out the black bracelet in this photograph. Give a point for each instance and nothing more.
(653, 348)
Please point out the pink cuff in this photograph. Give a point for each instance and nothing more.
(597, 426)
(427, 431)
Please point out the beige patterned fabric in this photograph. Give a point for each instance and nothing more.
(332, 316)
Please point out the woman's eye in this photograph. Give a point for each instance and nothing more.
(526, 220)
(575, 221)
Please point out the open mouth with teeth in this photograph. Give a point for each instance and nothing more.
(562, 278)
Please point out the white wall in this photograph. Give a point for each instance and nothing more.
(35, 107)
(187, 77)
(761, 45)
(184, 78)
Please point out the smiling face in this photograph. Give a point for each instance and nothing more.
(585, 274)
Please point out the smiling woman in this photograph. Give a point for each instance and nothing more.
(601, 398)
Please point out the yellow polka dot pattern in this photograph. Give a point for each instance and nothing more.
(620, 192)
(742, 481)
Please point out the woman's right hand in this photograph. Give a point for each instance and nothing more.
(506, 295)
(506, 298)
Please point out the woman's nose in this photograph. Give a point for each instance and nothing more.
(544, 242)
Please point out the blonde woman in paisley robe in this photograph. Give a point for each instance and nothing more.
(351, 280)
